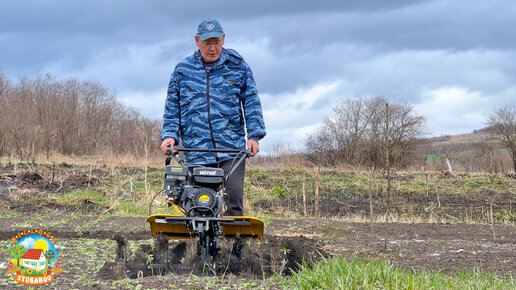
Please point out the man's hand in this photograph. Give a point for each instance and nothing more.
(165, 143)
(254, 146)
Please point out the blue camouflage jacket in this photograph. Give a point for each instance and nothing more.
(212, 109)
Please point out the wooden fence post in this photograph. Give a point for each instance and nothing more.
(305, 210)
(317, 193)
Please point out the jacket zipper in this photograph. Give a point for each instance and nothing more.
(209, 113)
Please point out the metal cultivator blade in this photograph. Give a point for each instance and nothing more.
(207, 231)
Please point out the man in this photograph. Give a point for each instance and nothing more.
(212, 103)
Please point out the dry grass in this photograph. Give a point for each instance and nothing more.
(103, 160)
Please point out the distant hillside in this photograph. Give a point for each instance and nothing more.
(469, 152)
(475, 136)
(475, 151)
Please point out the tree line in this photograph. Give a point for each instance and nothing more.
(375, 132)
(42, 115)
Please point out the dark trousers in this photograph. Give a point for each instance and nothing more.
(234, 198)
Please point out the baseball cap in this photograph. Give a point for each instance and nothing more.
(209, 28)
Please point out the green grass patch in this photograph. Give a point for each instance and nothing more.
(32, 221)
(63, 221)
(92, 223)
(259, 175)
(339, 273)
(476, 182)
(10, 214)
(266, 218)
(132, 209)
(81, 196)
(432, 158)
(278, 191)
(505, 216)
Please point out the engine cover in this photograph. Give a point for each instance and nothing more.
(201, 201)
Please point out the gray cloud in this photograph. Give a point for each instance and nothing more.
(420, 52)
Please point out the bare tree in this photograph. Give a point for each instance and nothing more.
(321, 147)
(68, 117)
(348, 126)
(486, 153)
(20, 118)
(355, 135)
(503, 124)
(97, 105)
(45, 93)
(5, 87)
(404, 127)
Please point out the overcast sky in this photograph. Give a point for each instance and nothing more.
(454, 61)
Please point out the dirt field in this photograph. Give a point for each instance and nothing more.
(88, 254)
(90, 243)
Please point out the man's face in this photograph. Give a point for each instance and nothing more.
(210, 48)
